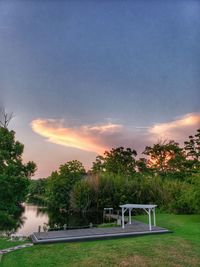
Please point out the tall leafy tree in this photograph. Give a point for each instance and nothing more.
(61, 183)
(98, 165)
(118, 161)
(14, 176)
(166, 157)
(192, 148)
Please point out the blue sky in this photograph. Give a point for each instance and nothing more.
(71, 66)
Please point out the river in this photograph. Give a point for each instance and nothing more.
(32, 218)
(35, 216)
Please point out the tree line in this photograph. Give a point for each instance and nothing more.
(168, 175)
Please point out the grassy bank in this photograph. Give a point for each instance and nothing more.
(181, 248)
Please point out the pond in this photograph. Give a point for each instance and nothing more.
(34, 216)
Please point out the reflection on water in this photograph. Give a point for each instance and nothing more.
(34, 216)
(73, 220)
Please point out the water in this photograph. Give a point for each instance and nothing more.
(34, 216)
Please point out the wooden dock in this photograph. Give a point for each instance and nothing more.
(134, 229)
(115, 217)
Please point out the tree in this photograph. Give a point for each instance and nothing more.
(61, 183)
(192, 149)
(36, 191)
(142, 165)
(117, 160)
(5, 118)
(98, 165)
(14, 176)
(73, 168)
(166, 157)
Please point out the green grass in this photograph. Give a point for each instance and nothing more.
(5, 243)
(181, 248)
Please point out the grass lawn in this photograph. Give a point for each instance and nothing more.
(5, 243)
(181, 248)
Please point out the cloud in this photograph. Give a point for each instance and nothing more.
(178, 129)
(86, 137)
(101, 137)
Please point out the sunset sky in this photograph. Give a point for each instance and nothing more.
(85, 76)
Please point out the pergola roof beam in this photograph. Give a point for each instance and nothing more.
(147, 207)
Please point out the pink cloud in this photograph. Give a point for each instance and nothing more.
(98, 138)
(86, 137)
(178, 129)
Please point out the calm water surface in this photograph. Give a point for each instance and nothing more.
(34, 216)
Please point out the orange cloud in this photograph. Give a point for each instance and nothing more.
(98, 138)
(89, 138)
(178, 129)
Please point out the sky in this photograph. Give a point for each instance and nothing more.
(82, 77)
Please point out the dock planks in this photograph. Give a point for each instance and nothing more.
(134, 229)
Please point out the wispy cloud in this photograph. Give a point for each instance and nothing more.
(98, 138)
(86, 137)
(177, 129)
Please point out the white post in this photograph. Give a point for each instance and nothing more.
(123, 218)
(129, 211)
(154, 216)
(149, 212)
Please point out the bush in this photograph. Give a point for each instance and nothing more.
(81, 196)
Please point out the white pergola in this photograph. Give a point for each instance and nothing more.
(147, 208)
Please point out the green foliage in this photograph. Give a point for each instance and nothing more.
(61, 183)
(98, 165)
(110, 190)
(192, 148)
(7, 221)
(73, 168)
(36, 191)
(81, 196)
(166, 157)
(142, 166)
(174, 197)
(166, 178)
(194, 193)
(117, 161)
(14, 177)
(11, 156)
